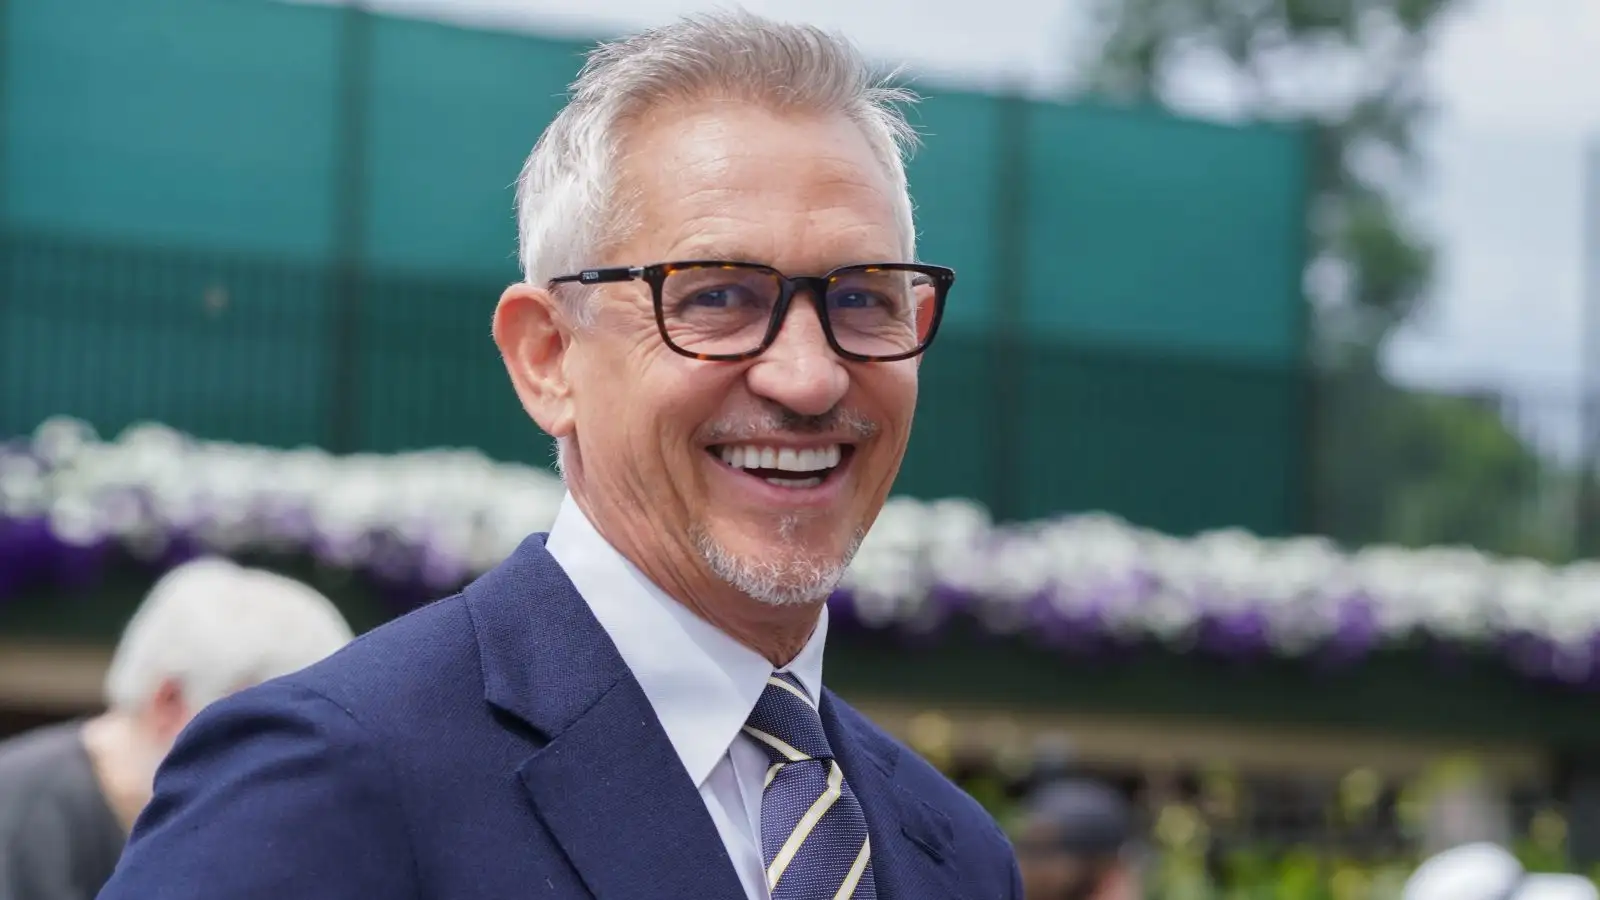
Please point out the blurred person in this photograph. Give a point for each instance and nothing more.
(719, 321)
(1487, 871)
(69, 793)
(1077, 842)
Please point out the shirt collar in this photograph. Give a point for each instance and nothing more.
(701, 683)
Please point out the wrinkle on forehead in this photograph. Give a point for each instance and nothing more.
(824, 248)
(714, 188)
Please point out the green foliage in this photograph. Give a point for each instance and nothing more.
(1416, 469)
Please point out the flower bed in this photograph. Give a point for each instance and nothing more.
(429, 521)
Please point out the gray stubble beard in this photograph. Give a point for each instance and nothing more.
(791, 582)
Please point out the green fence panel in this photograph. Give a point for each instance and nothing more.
(1176, 444)
(1156, 234)
(1173, 443)
(178, 190)
(952, 451)
(431, 376)
(192, 123)
(451, 116)
(953, 181)
(217, 346)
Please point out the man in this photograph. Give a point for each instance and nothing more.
(632, 707)
(1077, 844)
(69, 793)
(1486, 871)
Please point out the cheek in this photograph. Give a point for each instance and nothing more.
(650, 401)
(892, 393)
(614, 377)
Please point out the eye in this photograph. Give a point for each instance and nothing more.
(726, 296)
(856, 300)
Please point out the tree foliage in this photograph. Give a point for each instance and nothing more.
(1416, 468)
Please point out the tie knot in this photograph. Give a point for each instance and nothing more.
(786, 723)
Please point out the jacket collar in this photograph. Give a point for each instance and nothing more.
(607, 776)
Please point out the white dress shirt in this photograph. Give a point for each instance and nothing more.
(702, 683)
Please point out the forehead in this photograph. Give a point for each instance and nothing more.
(731, 180)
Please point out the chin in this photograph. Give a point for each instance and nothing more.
(782, 571)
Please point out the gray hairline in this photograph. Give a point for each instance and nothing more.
(559, 163)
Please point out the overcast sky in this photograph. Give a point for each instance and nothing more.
(1518, 83)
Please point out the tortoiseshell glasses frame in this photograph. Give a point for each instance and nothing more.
(924, 319)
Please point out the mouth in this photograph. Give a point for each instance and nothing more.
(785, 466)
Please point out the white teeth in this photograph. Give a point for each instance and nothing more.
(787, 459)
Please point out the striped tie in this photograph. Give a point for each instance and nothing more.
(813, 834)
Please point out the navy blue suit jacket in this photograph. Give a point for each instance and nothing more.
(494, 745)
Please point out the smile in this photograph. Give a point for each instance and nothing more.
(791, 467)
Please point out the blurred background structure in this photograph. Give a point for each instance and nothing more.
(285, 226)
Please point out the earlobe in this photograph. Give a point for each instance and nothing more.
(533, 337)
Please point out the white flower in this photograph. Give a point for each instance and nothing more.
(461, 513)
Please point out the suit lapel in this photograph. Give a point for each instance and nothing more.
(608, 784)
(910, 839)
(613, 792)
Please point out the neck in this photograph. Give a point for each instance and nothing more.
(778, 633)
(124, 761)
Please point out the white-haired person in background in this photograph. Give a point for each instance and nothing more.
(69, 793)
(1485, 871)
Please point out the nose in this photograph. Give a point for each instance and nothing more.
(800, 371)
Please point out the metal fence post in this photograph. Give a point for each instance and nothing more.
(350, 211)
(1008, 346)
(1582, 789)
(1302, 515)
(1586, 539)
(7, 244)
(5, 113)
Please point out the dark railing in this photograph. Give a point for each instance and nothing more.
(243, 349)
(286, 354)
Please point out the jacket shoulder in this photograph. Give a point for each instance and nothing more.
(420, 659)
(976, 829)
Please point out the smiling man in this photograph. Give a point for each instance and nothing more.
(720, 322)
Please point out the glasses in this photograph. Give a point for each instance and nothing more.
(730, 311)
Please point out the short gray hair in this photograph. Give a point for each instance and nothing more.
(215, 627)
(568, 205)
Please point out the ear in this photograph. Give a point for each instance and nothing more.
(533, 335)
(168, 711)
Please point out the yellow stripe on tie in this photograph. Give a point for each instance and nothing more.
(788, 751)
(807, 822)
(774, 680)
(857, 869)
(771, 774)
